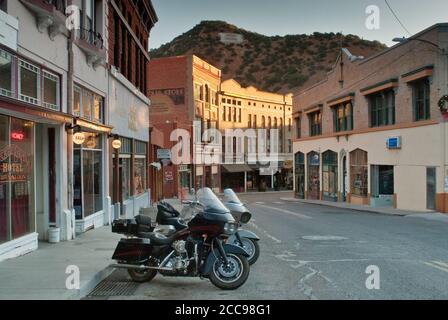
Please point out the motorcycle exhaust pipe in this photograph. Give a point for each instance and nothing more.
(133, 266)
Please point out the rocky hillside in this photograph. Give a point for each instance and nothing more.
(278, 64)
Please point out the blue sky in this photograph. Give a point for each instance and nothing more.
(281, 17)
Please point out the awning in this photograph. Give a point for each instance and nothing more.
(235, 168)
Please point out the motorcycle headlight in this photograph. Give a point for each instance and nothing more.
(230, 228)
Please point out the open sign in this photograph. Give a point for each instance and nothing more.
(18, 136)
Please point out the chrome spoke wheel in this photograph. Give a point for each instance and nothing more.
(229, 272)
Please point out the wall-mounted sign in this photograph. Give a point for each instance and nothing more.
(163, 154)
(169, 175)
(177, 94)
(116, 144)
(79, 138)
(393, 143)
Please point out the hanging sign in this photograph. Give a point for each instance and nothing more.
(79, 138)
(116, 144)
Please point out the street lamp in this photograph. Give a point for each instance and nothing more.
(404, 40)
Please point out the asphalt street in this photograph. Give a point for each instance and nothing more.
(316, 252)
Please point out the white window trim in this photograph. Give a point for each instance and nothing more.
(32, 68)
(51, 76)
(5, 92)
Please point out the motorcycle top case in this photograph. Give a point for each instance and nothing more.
(133, 250)
(125, 226)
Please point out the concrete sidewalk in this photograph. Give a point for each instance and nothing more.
(41, 274)
(349, 206)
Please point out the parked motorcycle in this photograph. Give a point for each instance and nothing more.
(199, 250)
(244, 238)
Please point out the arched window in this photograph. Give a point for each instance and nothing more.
(275, 123)
(263, 122)
(269, 123)
(313, 161)
(330, 175)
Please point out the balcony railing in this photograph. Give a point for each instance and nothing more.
(92, 43)
(91, 37)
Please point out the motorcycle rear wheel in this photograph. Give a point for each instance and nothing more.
(141, 276)
(233, 276)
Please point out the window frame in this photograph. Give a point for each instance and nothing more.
(426, 99)
(382, 115)
(35, 69)
(344, 123)
(315, 126)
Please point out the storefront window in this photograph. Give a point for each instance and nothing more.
(300, 174)
(88, 177)
(330, 175)
(140, 168)
(29, 82)
(313, 176)
(125, 172)
(358, 173)
(16, 178)
(6, 74)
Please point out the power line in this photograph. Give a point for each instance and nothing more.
(396, 17)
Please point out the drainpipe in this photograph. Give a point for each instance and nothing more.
(70, 73)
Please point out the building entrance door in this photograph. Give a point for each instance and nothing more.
(314, 176)
(431, 188)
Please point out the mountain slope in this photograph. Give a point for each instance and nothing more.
(278, 64)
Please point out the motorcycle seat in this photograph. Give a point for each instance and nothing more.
(155, 238)
(143, 220)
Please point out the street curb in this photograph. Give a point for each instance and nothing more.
(369, 210)
(88, 286)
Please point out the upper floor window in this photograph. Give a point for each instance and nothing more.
(25, 81)
(289, 124)
(421, 100)
(249, 122)
(298, 127)
(343, 117)
(255, 121)
(315, 123)
(197, 91)
(382, 108)
(88, 105)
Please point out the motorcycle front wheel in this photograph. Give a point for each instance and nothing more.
(252, 248)
(230, 276)
(142, 275)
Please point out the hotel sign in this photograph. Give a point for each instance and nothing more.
(18, 166)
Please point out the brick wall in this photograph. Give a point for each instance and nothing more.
(391, 63)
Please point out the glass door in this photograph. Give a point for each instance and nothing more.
(431, 188)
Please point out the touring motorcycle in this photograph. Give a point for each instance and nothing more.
(197, 250)
(243, 238)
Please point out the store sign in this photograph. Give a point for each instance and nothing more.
(183, 168)
(116, 144)
(163, 154)
(79, 138)
(176, 94)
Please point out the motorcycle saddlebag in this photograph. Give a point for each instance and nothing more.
(125, 226)
(133, 250)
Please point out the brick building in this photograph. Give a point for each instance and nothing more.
(129, 26)
(372, 132)
(183, 90)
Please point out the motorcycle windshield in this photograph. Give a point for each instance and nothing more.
(211, 202)
(231, 197)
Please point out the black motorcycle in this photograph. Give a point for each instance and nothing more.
(198, 250)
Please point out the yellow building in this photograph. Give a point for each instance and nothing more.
(250, 108)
